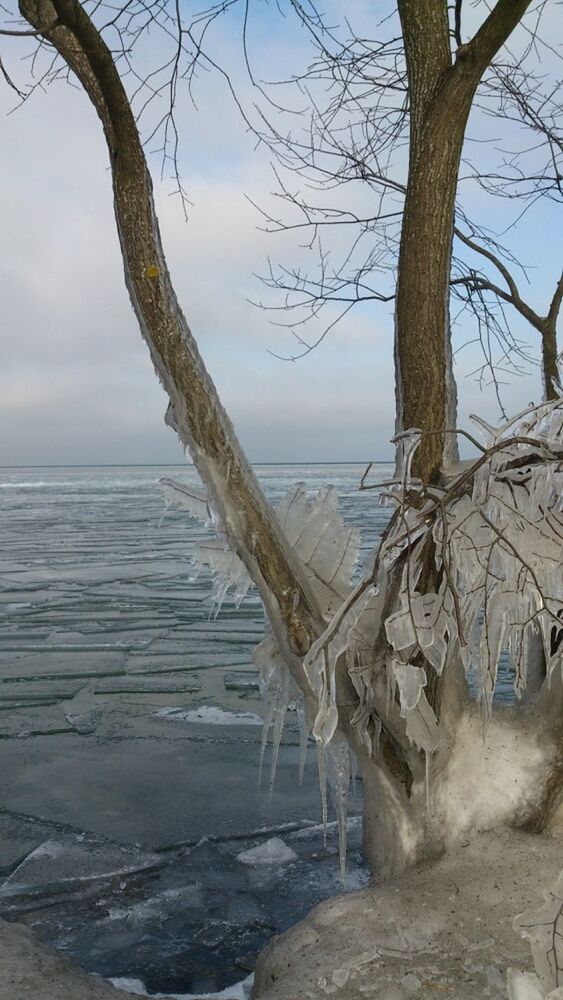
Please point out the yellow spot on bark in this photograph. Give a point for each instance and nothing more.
(152, 271)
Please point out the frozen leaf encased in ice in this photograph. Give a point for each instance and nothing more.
(543, 928)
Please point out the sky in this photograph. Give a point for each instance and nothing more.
(76, 382)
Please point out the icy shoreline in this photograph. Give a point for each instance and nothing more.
(444, 928)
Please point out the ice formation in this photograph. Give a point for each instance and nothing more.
(497, 532)
(136, 987)
(326, 546)
(543, 928)
(494, 536)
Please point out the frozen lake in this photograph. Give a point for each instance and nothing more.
(130, 734)
(126, 792)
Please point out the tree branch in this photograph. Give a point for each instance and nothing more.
(492, 34)
(513, 295)
(555, 305)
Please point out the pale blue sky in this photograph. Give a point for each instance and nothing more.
(77, 385)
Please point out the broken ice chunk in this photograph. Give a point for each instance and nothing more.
(271, 852)
(210, 715)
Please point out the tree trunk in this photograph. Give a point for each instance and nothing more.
(550, 367)
(441, 94)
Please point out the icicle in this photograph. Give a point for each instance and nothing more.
(274, 681)
(303, 738)
(226, 569)
(263, 744)
(339, 779)
(321, 764)
(281, 701)
(354, 776)
(428, 774)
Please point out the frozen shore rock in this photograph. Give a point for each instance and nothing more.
(444, 929)
(30, 970)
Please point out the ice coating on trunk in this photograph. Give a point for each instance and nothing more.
(498, 551)
(327, 547)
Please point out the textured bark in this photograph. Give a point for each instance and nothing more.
(550, 368)
(441, 94)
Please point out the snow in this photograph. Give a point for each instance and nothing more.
(272, 852)
(210, 715)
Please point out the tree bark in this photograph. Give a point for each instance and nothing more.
(550, 367)
(441, 94)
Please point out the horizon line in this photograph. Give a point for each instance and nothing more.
(190, 465)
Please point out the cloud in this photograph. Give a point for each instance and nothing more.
(77, 382)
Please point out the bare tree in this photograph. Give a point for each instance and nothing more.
(384, 663)
(360, 97)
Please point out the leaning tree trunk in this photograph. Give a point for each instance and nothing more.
(399, 828)
(196, 412)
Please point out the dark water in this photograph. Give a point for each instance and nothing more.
(120, 823)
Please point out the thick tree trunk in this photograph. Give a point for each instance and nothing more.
(423, 287)
(441, 94)
(550, 367)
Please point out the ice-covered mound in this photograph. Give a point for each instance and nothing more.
(442, 928)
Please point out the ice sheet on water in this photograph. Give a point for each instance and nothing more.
(246, 680)
(209, 715)
(70, 861)
(238, 991)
